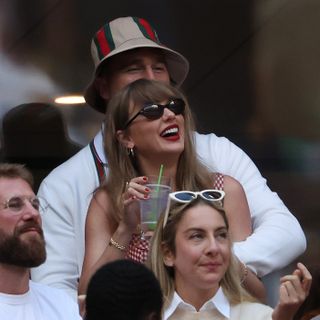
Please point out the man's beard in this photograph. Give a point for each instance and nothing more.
(27, 253)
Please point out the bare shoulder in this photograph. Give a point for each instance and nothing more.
(100, 213)
(100, 207)
(232, 186)
(237, 209)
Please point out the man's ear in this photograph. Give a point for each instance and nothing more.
(101, 85)
(168, 256)
(124, 139)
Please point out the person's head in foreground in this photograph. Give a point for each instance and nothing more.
(123, 290)
(191, 256)
(21, 236)
(126, 49)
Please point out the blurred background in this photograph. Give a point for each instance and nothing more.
(254, 78)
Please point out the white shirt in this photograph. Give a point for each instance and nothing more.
(217, 308)
(218, 301)
(39, 303)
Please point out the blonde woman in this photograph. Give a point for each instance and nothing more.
(192, 258)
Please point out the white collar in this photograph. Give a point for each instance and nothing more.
(218, 301)
(14, 299)
(99, 145)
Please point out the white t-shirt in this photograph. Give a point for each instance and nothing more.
(39, 303)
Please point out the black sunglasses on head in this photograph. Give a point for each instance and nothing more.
(153, 111)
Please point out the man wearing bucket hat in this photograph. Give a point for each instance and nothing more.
(124, 50)
(125, 35)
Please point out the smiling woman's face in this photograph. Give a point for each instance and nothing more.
(202, 251)
(159, 137)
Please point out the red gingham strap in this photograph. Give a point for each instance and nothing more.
(218, 182)
(138, 249)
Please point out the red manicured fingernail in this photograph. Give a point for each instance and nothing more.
(146, 196)
(147, 190)
(145, 178)
(133, 197)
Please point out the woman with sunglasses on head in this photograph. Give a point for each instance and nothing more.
(149, 124)
(192, 258)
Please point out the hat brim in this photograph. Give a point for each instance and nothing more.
(177, 64)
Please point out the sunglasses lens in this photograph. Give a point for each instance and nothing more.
(152, 111)
(176, 106)
(184, 196)
(212, 195)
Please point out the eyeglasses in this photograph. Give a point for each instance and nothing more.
(16, 204)
(153, 111)
(212, 195)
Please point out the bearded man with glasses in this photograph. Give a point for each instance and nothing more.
(22, 246)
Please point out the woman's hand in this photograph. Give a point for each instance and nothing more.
(135, 190)
(293, 291)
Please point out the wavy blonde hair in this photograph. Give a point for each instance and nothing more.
(191, 174)
(164, 239)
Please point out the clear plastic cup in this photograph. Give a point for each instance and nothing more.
(151, 209)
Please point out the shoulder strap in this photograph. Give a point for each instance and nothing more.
(218, 182)
(98, 162)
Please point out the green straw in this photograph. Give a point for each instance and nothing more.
(160, 176)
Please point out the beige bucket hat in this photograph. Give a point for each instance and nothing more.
(127, 33)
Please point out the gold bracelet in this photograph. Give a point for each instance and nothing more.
(117, 245)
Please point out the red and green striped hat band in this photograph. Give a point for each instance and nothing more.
(125, 34)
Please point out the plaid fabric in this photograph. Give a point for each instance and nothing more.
(138, 249)
(218, 182)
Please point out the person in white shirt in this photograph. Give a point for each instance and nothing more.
(124, 50)
(22, 246)
(192, 258)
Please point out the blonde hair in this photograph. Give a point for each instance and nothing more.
(164, 239)
(124, 167)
